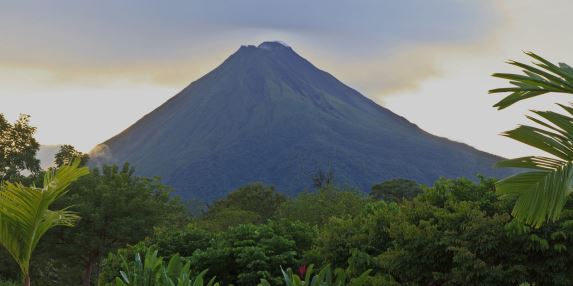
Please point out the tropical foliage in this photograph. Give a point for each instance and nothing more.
(325, 277)
(317, 207)
(542, 191)
(117, 208)
(253, 203)
(241, 255)
(25, 214)
(395, 190)
(456, 232)
(152, 271)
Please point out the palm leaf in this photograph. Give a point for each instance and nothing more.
(25, 215)
(540, 78)
(550, 142)
(540, 195)
(542, 191)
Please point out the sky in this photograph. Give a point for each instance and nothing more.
(86, 70)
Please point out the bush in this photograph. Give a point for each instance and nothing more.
(9, 283)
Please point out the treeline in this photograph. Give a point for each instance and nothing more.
(456, 232)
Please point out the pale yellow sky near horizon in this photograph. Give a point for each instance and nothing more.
(457, 92)
(439, 83)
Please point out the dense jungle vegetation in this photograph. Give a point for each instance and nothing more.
(455, 232)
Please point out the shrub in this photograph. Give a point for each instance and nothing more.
(152, 271)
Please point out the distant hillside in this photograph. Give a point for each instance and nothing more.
(267, 114)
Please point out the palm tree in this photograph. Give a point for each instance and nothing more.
(542, 190)
(25, 215)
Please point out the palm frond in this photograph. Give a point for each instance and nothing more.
(541, 194)
(25, 215)
(540, 78)
(550, 142)
(532, 162)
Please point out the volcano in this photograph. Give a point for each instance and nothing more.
(268, 115)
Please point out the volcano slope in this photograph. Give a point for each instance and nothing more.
(266, 114)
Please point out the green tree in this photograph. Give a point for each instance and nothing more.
(67, 154)
(25, 214)
(181, 240)
(316, 208)
(460, 233)
(17, 148)
(256, 198)
(455, 233)
(244, 254)
(224, 218)
(117, 208)
(323, 179)
(395, 190)
(542, 191)
(354, 242)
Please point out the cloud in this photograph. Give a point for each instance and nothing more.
(174, 43)
(428, 60)
(456, 104)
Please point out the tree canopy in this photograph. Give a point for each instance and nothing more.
(18, 148)
(395, 190)
(317, 207)
(67, 154)
(257, 199)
